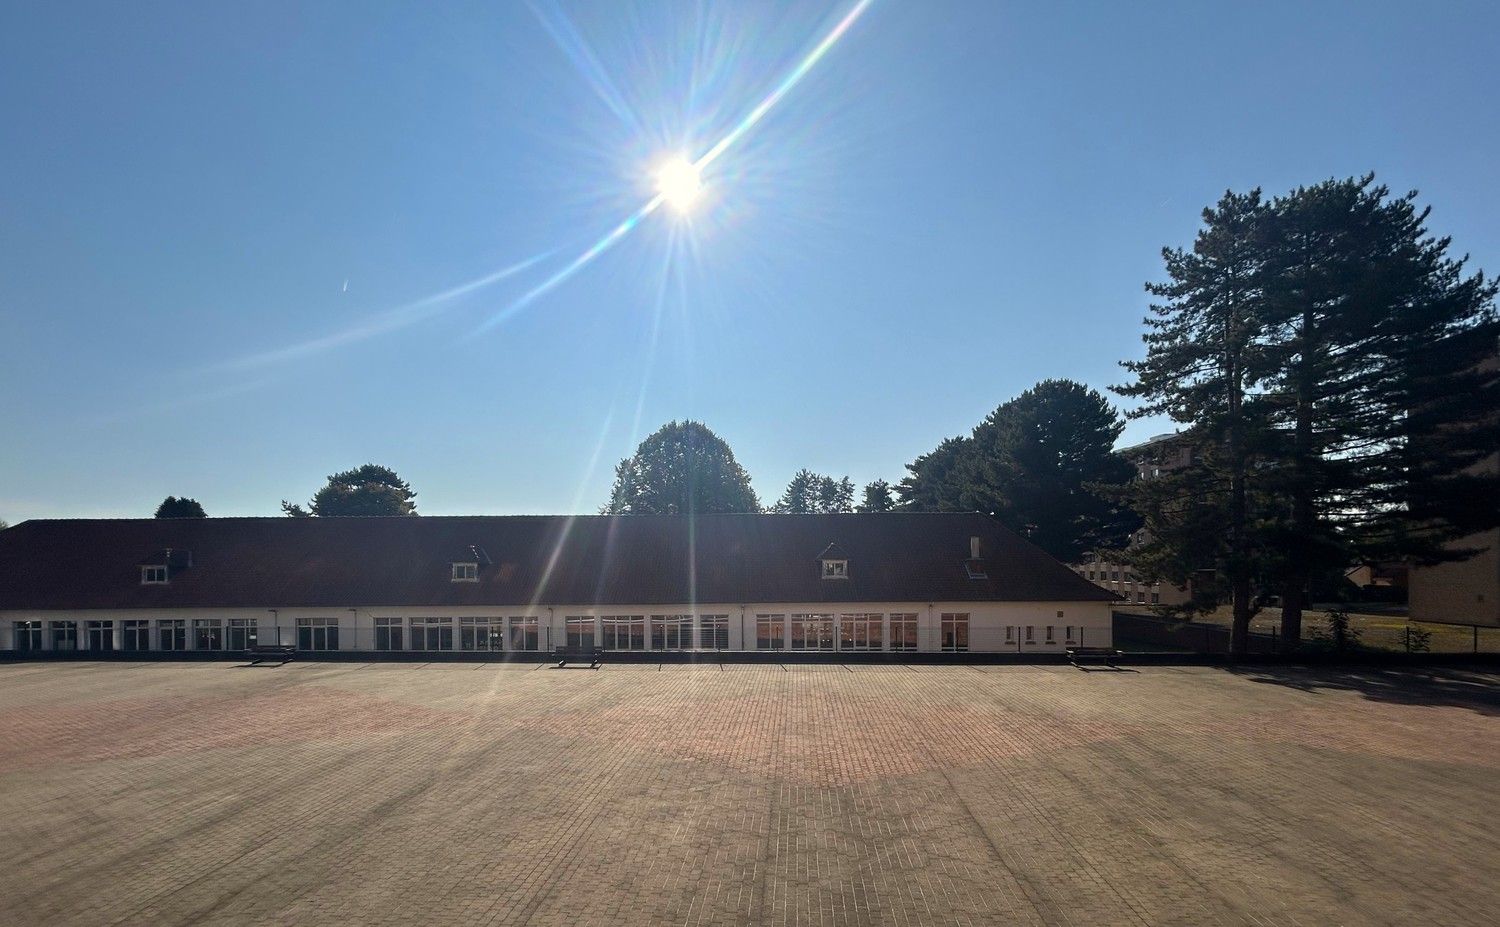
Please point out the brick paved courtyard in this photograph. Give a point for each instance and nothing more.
(512, 794)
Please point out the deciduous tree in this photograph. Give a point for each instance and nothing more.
(173, 507)
(684, 468)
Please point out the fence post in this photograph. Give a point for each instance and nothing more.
(1406, 636)
(1476, 638)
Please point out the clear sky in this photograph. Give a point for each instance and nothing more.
(236, 239)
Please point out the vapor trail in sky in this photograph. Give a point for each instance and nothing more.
(381, 322)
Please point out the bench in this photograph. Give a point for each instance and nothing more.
(1080, 655)
(256, 653)
(565, 655)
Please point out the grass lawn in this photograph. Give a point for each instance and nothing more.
(1376, 630)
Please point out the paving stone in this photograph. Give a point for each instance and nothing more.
(387, 794)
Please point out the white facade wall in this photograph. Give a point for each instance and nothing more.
(987, 622)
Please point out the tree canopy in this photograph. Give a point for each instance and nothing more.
(173, 507)
(877, 498)
(684, 468)
(811, 493)
(1335, 368)
(1042, 463)
(364, 491)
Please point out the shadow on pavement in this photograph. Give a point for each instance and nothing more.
(1455, 688)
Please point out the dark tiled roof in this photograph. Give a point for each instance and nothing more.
(584, 560)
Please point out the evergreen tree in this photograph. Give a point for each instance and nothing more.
(1044, 465)
(1375, 375)
(814, 493)
(364, 491)
(934, 482)
(878, 498)
(173, 507)
(684, 468)
(1201, 349)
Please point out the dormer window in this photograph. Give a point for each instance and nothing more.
(466, 572)
(154, 575)
(833, 563)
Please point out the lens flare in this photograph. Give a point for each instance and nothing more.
(679, 183)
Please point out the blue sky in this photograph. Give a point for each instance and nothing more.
(219, 224)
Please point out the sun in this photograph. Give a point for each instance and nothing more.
(679, 183)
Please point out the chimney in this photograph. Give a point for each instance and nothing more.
(974, 547)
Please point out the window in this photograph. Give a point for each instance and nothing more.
(580, 632)
(28, 635)
(64, 635)
(1156, 598)
(1010, 634)
(861, 632)
(770, 632)
(835, 569)
(1114, 575)
(523, 633)
(466, 572)
(1031, 634)
(243, 634)
(485, 634)
(713, 632)
(1140, 597)
(317, 634)
(432, 634)
(955, 628)
(624, 632)
(101, 635)
(1051, 635)
(903, 631)
(672, 632)
(812, 632)
(208, 634)
(153, 575)
(135, 635)
(388, 633)
(1070, 638)
(1091, 574)
(172, 633)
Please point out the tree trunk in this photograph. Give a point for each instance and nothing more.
(1304, 515)
(1292, 600)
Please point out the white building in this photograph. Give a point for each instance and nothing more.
(875, 582)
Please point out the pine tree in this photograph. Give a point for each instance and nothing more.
(1201, 349)
(1375, 375)
(814, 493)
(878, 498)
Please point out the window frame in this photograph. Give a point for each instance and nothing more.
(897, 639)
(835, 569)
(155, 574)
(952, 626)
(322, 634)
(464, 571)
(770, 620)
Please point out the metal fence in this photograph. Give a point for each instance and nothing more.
(1134, 631)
